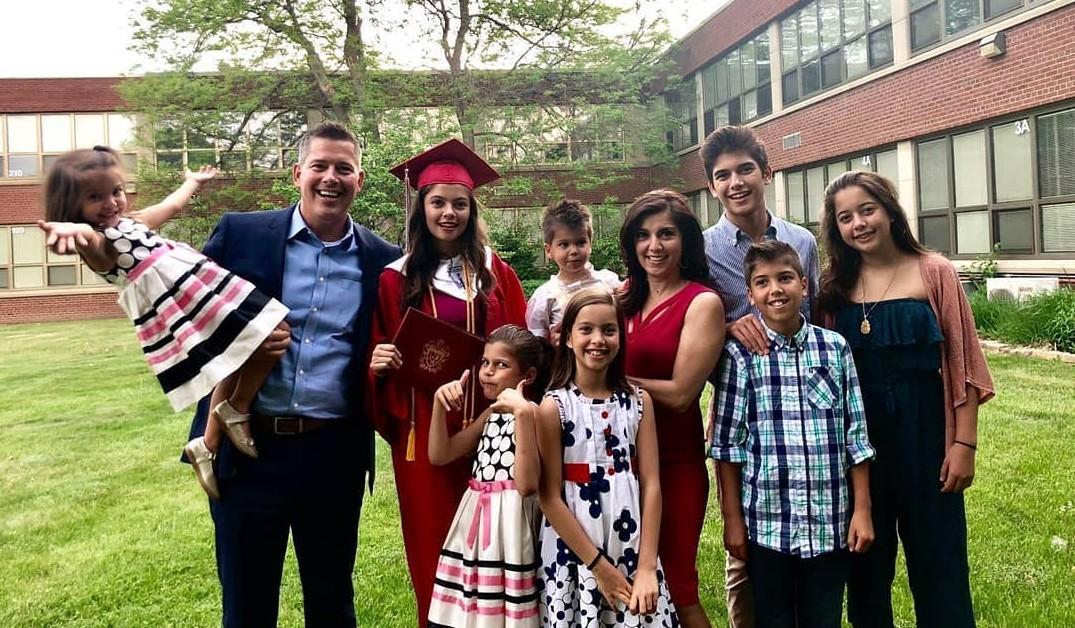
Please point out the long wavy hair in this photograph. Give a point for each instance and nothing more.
(423, 256)
(692, 265)
(563, 364)
(530, 352)
(64, 181)
(838, 279)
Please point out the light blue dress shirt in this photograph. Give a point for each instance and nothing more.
(323, 288)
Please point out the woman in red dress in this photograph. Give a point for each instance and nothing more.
(451, 273)
(675, 332)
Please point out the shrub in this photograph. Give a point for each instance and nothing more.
(1045, 319)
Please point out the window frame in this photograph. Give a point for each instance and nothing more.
(942, 10)
(9, 268)
(42, 156)
(846, 161)
(708, 115)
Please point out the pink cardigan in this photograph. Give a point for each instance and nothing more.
(962, 360)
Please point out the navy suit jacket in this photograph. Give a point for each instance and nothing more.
(251, 245)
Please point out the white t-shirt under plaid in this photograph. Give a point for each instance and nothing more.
(795, 420)
(545, 309)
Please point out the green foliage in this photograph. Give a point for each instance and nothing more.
(984, 267)
(516, 245)
(1044, 319)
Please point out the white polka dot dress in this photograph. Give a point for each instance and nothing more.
(196, 322)
(486, 574)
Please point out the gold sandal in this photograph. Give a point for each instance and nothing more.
(201, 460)
(232, 421)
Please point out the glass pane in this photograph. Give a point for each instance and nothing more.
(90, 130)
(815, 192)
(47, 161)
(1012, 146)
(199, 138)
(789, 42)
(292, 126)
(735, 75)
(761, 58)
(721, 116)
(796, 204)
(56, 133)
(880, 11)
(167, 134)
(994, 8)
(709, 87)
(90, 278)
(22, 166)
(3, 279)
(770, 196)
(198, 158)
(834, 170)
(811, 77)
(854, 18)
(765, 100)
(1056, 154)
(791, 86)
(935, 232)
(53, 258)
(887, 165)
(170, 160)
(881, 47)
(27, 245)
(28, 277)
(63, 275)
(746, 62)
(721, 80)
(233, 161)
(735, 114)
(926, 27)
(832, 69)
(750, 106)
(933, 175)
(1058, 228)
(960, 15)
(1015, 231)
(855, 57)
(808, 36)
(121, 131)
(22, 134)
(968, 155)
(5, 246)
(972, 233)
(829, 12)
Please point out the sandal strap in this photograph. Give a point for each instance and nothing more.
(226, 413)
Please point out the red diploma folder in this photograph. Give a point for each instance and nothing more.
(434, 352)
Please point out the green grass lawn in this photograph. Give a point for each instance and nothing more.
(101, 526)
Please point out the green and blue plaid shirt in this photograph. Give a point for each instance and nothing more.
(794, 419)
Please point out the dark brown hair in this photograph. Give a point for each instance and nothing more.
(63, 184)
(692, 265)
(563, 364)
(530, 352)
(423, 256)
(732, 139)
(328, 131)
(840, 276)
(569, 214)
(768, 251)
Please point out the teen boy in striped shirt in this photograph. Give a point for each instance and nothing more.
(790, 432)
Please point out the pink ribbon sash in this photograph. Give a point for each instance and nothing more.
(482, 516)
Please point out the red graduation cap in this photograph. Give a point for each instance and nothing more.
(451, 162)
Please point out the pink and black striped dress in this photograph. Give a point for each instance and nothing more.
(196, 322)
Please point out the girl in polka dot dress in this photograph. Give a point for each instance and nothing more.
(197, 323)
(486, 574)
(600, 481)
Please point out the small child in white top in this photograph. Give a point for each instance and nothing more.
(568, 231)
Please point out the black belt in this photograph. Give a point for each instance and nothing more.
(291, 425)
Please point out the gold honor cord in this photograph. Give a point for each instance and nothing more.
(469, 393)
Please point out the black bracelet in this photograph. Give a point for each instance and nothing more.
(593, 563)
(966, 444)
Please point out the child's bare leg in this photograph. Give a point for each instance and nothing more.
(213, 429)
(239, 391)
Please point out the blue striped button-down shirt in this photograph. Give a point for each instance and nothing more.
(726, 247)
(323, 288)
(794, 419)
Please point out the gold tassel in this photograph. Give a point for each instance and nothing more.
(409, 457)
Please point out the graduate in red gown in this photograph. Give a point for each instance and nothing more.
(449, 272)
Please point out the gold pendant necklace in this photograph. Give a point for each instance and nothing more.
(865, 326)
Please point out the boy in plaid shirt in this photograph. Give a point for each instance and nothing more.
(791, 425)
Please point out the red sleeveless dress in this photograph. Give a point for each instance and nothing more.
(652, 345)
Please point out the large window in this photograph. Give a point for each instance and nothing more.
(683, 105)
(933, 21)
(737, 87)
(1008, 186)
(554, 135)
(806, 187)
(235, 143)
(25, 263)
(828, 42)
(30, 142)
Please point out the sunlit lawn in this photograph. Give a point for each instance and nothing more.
(101, 526)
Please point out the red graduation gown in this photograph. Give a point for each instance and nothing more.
(428, 495)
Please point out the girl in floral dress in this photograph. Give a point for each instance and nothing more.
(486, 574)
(600, 488)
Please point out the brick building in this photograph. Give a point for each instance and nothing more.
(977, 131)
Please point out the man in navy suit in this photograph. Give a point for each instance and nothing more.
(314, 443)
